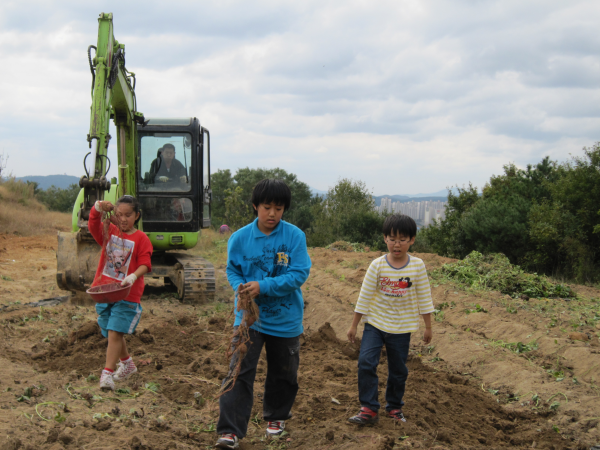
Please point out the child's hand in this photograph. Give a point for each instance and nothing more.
(427, 335)
(106, 206)
(352, 334)
(252, 289)
(129, 279)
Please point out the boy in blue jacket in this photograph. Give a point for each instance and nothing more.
(269, 259)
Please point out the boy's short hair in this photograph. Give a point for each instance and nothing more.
(271, 190)
(399, 224)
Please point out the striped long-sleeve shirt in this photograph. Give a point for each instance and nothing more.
(392, 299)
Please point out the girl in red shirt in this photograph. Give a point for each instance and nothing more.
(125, 258)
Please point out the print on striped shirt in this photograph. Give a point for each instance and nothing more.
(393, 288)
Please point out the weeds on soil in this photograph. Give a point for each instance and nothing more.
(495, 272)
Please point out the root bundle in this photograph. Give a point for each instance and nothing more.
(237, 347)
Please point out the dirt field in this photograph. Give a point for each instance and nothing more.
(474, 387)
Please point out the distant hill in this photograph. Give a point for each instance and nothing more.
(45, 181)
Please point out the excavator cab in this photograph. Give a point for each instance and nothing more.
(173, 181)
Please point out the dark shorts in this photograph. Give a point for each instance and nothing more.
(121, 316)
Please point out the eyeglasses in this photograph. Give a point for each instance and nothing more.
(401, 241)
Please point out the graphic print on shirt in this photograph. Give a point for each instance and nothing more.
(272, 263)
(395, 287)
(118, 257)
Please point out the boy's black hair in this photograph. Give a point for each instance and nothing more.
(134, 202)
(271, 190)
(399, 224)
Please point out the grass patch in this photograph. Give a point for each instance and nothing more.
(494, 272)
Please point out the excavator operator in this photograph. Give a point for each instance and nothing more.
(166, 167)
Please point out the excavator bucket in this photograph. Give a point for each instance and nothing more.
(76, 260)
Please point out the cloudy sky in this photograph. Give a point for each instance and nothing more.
(408, 96)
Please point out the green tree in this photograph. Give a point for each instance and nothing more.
(57, 199)
(220, 182)
(496, 221)
(564, 227)
(237, 212)
(245, 179)
(346, 213)
(446, 237)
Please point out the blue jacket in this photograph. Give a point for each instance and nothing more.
(280, 263)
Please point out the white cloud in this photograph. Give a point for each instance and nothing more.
(407, 96)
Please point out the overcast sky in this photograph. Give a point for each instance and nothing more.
(407, 96)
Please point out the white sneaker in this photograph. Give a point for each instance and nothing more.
(275, 428)
(125, 370)
(106, 381)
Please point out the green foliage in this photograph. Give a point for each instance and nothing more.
(57, 199)
(495, 272)
(564, 229)
(346, 214)
(446, 237)
(545, 218)
(240, 186)
(237, 211)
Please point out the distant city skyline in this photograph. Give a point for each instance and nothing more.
(424, 213)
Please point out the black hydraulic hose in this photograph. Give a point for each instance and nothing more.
(91, 66)
(108, 161)
(84, 166)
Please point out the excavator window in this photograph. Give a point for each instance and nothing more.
(161, 209)
(165, 162)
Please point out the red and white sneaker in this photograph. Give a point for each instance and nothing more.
(397, 415)
(106, 381)
(275, 428)
(364, 417)
(125, 370)
(227, 441)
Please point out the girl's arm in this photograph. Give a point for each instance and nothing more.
(141, 271)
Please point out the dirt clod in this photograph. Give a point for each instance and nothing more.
(102, 426)
(387, 443)
(52, 435)
(11, 444)
(330, 435)
(578, 337)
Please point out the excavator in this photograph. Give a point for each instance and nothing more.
(164, 162)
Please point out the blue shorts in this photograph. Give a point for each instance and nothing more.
(121, 316)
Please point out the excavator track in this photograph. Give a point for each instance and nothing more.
(193, 276)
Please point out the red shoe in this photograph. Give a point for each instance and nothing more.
(397, 415)
(364, 417)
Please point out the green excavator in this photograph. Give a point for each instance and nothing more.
(164, 162)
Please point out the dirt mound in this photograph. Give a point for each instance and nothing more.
(508, 377)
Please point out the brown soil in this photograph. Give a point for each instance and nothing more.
(465, 390)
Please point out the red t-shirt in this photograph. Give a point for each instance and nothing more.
(124, 254)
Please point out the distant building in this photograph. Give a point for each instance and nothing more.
(422, 212)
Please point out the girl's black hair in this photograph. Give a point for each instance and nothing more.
(134, 202)
(399, 224)
(270, 190)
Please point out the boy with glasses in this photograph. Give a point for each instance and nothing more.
(394, 293)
